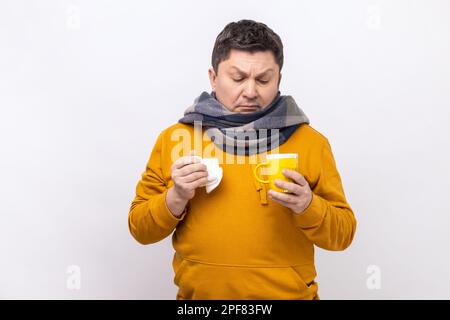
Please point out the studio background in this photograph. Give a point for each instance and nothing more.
(86, 87)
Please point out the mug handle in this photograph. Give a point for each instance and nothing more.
(255, 172)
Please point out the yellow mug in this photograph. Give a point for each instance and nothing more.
(275, 164)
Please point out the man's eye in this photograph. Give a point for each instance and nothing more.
(263, 81)
(238, 80)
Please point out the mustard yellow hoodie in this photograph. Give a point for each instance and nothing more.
(235, 243)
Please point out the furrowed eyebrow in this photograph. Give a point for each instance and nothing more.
(242, 73)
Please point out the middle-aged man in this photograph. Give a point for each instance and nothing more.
(243, 240)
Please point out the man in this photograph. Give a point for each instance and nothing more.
(242, 240)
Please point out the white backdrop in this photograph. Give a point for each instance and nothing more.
(86, 86)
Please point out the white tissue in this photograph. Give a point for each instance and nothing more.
(215, 172)
(212, 185)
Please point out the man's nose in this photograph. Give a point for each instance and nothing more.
(250, 90)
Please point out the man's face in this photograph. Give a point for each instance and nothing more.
(246, 82)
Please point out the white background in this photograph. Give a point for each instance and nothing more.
(86, 86)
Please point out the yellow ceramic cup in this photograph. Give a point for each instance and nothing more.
(275, 163)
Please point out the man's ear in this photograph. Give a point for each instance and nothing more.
(212, 78)
(279, 80)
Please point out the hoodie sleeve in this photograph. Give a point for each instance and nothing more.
(149, 219)
(328, 221)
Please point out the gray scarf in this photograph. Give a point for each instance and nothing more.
(250, 133)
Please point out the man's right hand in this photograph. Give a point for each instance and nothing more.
(187, 173)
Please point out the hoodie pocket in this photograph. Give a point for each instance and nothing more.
(197, 280)
(305, 276)
(179, 264)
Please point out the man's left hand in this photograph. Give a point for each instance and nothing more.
(299, 196)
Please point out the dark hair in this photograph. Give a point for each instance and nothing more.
(247, 35)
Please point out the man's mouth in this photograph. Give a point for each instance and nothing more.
(246, 108)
